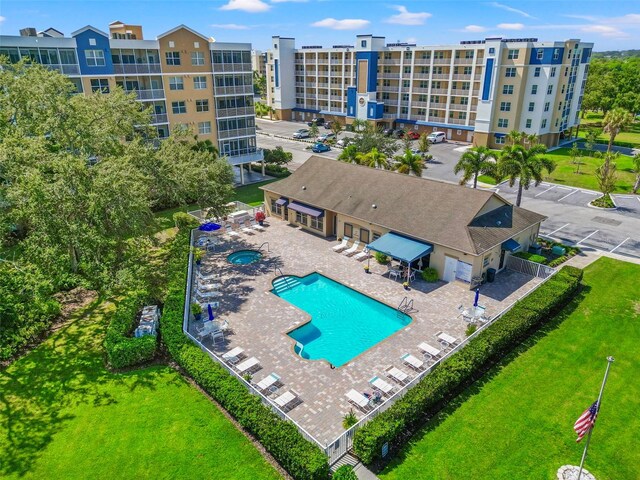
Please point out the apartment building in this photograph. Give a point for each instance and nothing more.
(185, 78)
(475, 91)
(259, 62)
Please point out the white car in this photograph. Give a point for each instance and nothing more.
(343, 142)
(302, 133)
(437, 137)
(326, 136)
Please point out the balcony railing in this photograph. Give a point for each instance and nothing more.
(436, 119)
(238, 132)
(248, 157)
(474, 108)
(438, 90)
(476, 91)
(389, 115)
(421, 76)
(419, 104)
(457, 121)
(389, 61)
(234, 112)
(441, 106)
(66, 69)
(422, 61)
(458, 107)
(462, 76)
(136, 68)
(391, 75)
(458, 91)
(233, 90)
(441, 61)
(440, 76)
(147, 94)
(463, 61)
(231, 67)
(390, 88)
(159, 118)
(477, 77)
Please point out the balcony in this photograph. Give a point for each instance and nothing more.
(336, 61)
(234, 112)
(422, 61)
(389, 115)
(440, 76)
(421, 76)
(136, 68)
(66, 69)
(322, 97)
(323, 85)
(457, 121)
(419, 104)
(474, 108)
(238, 132)
(436, 119)
(438, 91)
(389, 61)
(463, 61)
(460, 92)
(440, 106)
(231, 67)
(390, 88)
(148, 94)
(458, 107)
(442, 61)
(248, 157)
(391, 75)
(234, 90)
(420, 90)
(339, 98)
(159, 118)
(462, 76)
(477, 77)
(476, 91)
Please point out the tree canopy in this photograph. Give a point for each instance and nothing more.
(613, 82)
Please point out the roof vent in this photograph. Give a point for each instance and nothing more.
(374, 206)
(499, 222)
(304, 187)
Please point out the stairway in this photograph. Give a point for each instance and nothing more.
(284, 283)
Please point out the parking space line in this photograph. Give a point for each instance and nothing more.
(538, 194)
(624, 196)
(565, 188)
(619, 245)
(558, 229)
(590, 193)
(571, 193)
(590, 235)
(638, 198)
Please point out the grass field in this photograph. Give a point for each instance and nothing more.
(63, 415)
(630, 135)
(517, 421)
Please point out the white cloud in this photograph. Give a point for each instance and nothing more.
(251, 6)
(2, 19)
(411, 40)
(407, 18)
(511, 9)
(230, 26)
(475, 28)
(289, 1)
(346, 24)
(605, 31)
(510, 26)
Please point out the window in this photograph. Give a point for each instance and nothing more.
(513, 54)
(467, 71)
(176, 83)
(556, 53)
(348, 230)
(100, 85)
(179, 107)
(503, 123)
(202, 105)
(197, 58)
(549, 89)
(534, 89)
(301, 218)
(510, 72)
(407, 55)
(407, 69)
(492, 50)
(528, 124)
(172, 58)
(317, 223)
(364, 235)
(544, 123)
(500, 140)
(95, 58)
(363, 44)
(505, 106)
(406, 83)
(200, 82)
(275, 208)
(204, 128)
(553, 72)
(532, 106)
(536, 73)
(546, 107)
(376, 235)
(539, 54)
(507, 89)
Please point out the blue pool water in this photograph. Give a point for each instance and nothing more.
(244, 257)
(344, 322)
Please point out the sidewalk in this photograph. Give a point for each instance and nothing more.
(588, 256)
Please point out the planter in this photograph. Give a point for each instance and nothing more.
(197, 316)
(366, 270)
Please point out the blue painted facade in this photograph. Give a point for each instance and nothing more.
(372, 69)
(375, 110)
(488, 74)
(276, 68)
(586, 53)
(351, 101)
(102, 43)
(547, 56)
(308, 110)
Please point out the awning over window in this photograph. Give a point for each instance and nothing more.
(400, 247)
(511, 246)
(307, 210)
(282, 201)
(499, 135)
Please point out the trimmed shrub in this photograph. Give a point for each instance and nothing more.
(184, 220)
(301, 458)
(532, 257)
(430, 275)
(380, 257)
(345, 472)
(122, 349)
(491, 344)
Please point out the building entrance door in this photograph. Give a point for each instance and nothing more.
(450, 265)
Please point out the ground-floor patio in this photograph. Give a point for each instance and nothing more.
(259, 320)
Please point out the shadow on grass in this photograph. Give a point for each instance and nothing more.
(450, 406)
(39, 392)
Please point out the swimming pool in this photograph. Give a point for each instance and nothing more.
(244, 257)
(344, 322)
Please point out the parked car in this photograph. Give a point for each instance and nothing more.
(343, 142)
(413, 135)
(302, 133)
(437, 137)
(320, 148)
(326, 137)
(387, 132)
(399, 133)
(327, 125)
(318, 121)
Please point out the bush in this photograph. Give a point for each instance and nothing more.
(604, 201)
(557, 261)
(381, 258)
(532, 257)
(345, 472)
(184, 220)
(471, 329)
(430, 275)
(272, 170)
(349, 420)
(301, 458)
(122, 349)
(490, 345)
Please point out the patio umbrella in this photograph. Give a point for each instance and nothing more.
(210, 310)
(475, 300)
(209, 227)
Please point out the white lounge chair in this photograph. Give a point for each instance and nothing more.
(267, 382)
(207, 287)
(412, 361)
(284, 401)
(248, 231)
(199, 294)
(233, 355)
(248, 365)
(358, 399)
(446, 340)
(208, 277)
(363, 255)
(381, 385)
(353, 249)
(397, 375)
(342, 245)
(429, 351)
(258, 227)
(231, 232)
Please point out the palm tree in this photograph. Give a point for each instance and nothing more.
(514, 137)
(636, 169)
(359, 125)
(474, 162)
(524, 165)
(373, 159)
(614, 121)
(349, 154)
(409, 163)
(530, 138)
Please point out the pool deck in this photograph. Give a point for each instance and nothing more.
(260, 320)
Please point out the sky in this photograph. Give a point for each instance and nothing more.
(611, 24)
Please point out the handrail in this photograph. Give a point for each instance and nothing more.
(403, 303)
(276, 269)
(265, 243)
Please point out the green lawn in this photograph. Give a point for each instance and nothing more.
(517, 421)
(630, 135)
(63, 415)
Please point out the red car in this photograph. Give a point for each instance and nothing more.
(413, 135)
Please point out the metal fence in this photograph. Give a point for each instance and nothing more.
(235, 206)
(529, 268)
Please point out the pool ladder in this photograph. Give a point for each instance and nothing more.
(406, 305)
(265, 243)
(276, 271)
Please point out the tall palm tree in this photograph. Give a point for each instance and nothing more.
(374, 159)
(614, 121)
(474, 162)
(409, 163)
(349, 154)
(531, 138)
(515, 137)
(636, 169)
(524, 166)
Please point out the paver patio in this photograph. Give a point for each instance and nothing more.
(260, 320)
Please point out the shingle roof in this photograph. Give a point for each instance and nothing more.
(431, 210)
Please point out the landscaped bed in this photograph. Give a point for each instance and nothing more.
(548, 255)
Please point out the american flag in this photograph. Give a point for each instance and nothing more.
(586, 421)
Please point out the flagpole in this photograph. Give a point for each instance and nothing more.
(586, 446)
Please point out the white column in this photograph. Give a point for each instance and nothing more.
(241, 174)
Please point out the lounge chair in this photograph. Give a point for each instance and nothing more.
(446, 340)
(207, 287)
(381, 385)
(267, 382)
(342, 245)
(199, 294)
(284, 401)
(258, 227)
(358, 399)
(248, 231)
(429, 351)
(363, 255)
(397, 375)
(233, 355)
(353, 249)
(248, 366)
(231, 232)
(208, 277)
(412, 361)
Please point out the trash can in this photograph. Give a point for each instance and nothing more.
(491, 275)
(536, 249)
(558, 250)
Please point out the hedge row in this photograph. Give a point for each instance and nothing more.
(122, 349)
(494, 342)
(301, 458)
